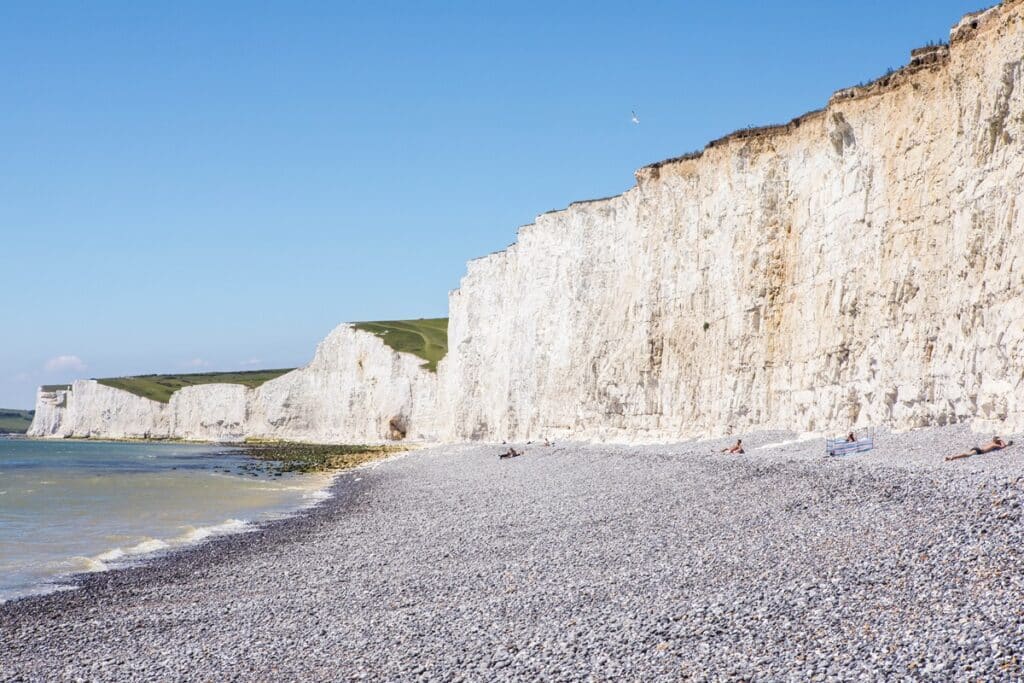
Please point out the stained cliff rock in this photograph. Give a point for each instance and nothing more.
(860, 265)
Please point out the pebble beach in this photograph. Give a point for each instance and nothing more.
(581, 562)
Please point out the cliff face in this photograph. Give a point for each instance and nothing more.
(356, 389)
(210, 412)
(861, 265)
(90, 409)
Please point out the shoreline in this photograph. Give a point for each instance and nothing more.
(764, 445)
(320, 496)
(612, 561)
(107, 554)
(82, 587)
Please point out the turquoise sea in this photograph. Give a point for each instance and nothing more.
(81, 506)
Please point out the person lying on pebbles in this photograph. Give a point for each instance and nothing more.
(736, 448)
(510, 453)
(996, 444)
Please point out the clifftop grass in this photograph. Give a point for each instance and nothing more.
(15, 421)
(160, 387)
(425, 337)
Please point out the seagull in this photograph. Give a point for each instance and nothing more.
(636, 119)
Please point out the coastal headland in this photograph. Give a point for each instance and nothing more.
(859, 267)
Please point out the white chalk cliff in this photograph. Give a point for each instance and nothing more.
(89, 409)
(356, 389)
(863, 264)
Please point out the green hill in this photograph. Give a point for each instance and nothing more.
(425, 337)
(160, 387)
(15, 421)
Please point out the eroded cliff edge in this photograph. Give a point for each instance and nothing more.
(861, 265)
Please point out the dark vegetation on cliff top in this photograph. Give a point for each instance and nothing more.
(15, 421)
(160, 387)
(426, 337)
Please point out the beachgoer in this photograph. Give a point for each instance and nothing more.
(996, 444)
(850, 438)
(510, 453)
(736, 448)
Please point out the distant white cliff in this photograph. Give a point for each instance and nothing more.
(356, 389)
(863, 264)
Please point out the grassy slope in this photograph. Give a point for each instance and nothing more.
(426, 337)
(15, 421)
(160, 387)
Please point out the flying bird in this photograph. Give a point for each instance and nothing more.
(636, 119)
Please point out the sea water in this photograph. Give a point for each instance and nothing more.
(68, 507)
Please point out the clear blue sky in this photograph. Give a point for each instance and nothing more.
(217, 185)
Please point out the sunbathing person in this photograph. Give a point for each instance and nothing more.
(737, 448)
(850, 438)
(510, 453)
(996, 444)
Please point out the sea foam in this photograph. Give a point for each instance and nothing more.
(231, 526)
